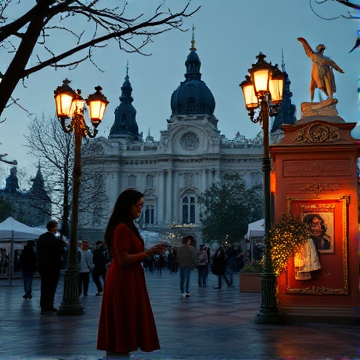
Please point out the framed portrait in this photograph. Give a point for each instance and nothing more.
(326, 249)
(319, 221)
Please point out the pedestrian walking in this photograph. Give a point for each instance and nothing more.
(50, 251)
(219, 267)
(187, 260)
(28, 264)
(126, 318)
(202, 265)
(86, 266)
(101, 261)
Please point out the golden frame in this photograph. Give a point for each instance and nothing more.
(340, 204)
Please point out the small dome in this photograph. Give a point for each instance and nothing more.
(192, 96)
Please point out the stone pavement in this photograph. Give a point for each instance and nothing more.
(211, 325)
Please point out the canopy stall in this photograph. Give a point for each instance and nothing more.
(13, 234)
(255, 237)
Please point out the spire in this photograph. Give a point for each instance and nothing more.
(38, 182)
(125, 114)
(193, 62)
(193, 39)
(12, 184)
(287, 111)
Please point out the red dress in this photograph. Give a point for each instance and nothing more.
(126, 319)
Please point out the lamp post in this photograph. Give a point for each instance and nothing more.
(263, 91)
(70, 111)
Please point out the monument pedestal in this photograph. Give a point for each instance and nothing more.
(315, 168)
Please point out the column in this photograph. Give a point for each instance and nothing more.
(176, 197)
(160, 193)
(168, 197)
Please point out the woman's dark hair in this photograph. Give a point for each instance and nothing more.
(121, 214)
(308, 219)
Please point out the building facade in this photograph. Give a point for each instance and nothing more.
(31, 207)
(172, 172)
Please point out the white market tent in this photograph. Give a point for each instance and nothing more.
(10, 229)
(12, 234)
(256, 229)
(255, 235)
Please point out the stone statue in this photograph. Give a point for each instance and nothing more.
(322, 76)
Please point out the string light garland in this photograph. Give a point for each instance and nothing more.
(286, 236)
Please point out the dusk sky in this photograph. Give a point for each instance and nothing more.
(229, 34)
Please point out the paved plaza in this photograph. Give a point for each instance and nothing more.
(212, 324)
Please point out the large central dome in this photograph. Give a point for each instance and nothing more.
(192, 96)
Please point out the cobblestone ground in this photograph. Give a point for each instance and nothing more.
(211, 325)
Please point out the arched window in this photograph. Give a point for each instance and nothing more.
(188, 209)
(149, 181)
(132, 181)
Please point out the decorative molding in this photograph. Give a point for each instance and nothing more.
(318, 133)
(340, 167)
(189, 141)
(318, 290)
(188, 179)
(318, 188)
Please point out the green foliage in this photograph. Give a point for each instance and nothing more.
(227, 208)
(286, 236)
(6, 209)
(255, 266)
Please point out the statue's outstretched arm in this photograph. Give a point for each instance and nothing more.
(307, 48)
(335, 66)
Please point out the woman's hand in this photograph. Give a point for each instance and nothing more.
(156, 250)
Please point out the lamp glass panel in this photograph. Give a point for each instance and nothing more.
(276, 87)
(97, 110)
(63, 104)
(261, 80)
(251, 101)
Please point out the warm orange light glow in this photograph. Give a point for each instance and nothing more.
(276, 85)
(251, 100)
(97, 104)
(63, 105)
(64, 95)
(273, 182)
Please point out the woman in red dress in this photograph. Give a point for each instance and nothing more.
(126, 319)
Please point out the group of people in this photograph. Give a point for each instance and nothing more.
(48, 256)
(126, 319)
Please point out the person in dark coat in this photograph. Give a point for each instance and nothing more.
(100, 261)
(50, 251)
(219, 267)
(28, 263)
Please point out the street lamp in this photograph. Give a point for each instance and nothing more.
(263, 91)
(70, 111)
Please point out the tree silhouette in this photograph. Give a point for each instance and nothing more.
(28, 37)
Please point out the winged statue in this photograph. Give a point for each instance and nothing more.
(322, 76)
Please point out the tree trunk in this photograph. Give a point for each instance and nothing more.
(15, 70)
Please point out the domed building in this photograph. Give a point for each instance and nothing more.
(172, 172)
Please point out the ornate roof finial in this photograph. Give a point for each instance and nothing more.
(193, 39)
(127, 68)
(282, 61)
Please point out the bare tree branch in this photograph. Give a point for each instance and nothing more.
(33, 31)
